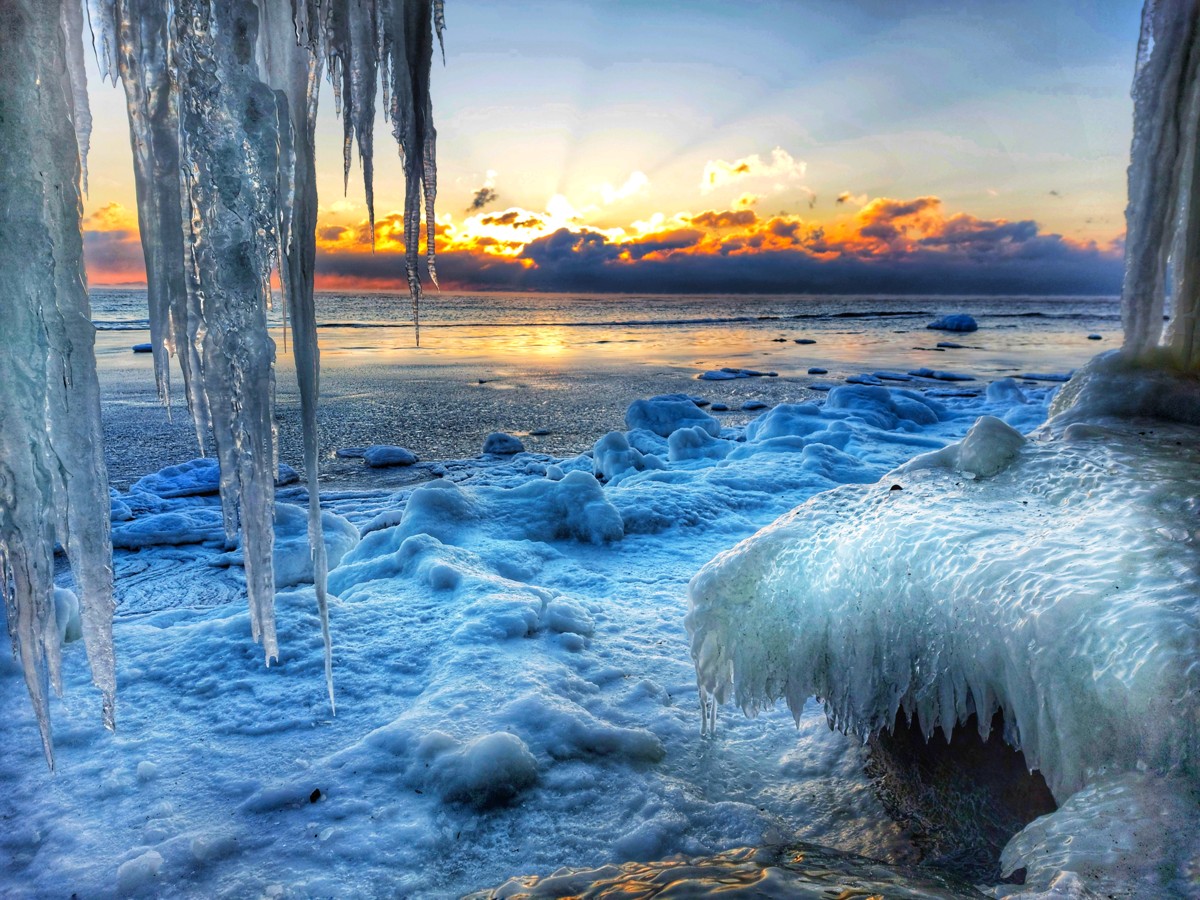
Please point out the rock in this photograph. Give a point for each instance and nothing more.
(143, 348)
(382, 456)
(502, 444)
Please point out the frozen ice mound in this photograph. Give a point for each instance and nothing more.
(1054, 581)
(194, 478)
(1060, 590)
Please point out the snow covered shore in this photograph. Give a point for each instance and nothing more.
(515, 691)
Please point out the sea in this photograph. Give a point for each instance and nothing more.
(559, 370)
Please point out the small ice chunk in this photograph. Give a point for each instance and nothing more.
(137, 874)
(66, 615)
(381, 456)
(719, 407)
(817, 370)
(752, 405)
(143, 348)
(1095, 337)
(146, 771)
(959, 322)
(502, 444)
(805, 341)
(863, 379)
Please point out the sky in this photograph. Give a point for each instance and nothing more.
(864, 146)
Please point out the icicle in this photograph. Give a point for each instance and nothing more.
(81, 114)
(135, 34)
(408, 47)
(229, 151)
(293, 70)
(53, 484)
(1162, 230)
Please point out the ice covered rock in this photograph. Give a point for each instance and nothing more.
(959, 322)
(382, 456)
(665, 416)
(940, 375)
(1117, 385)
(1006, 391)
(989, 447)
(143, 348)
(1059, 591)
(502, 444)
(66, 615)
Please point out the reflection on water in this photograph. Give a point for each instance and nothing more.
(795, 871)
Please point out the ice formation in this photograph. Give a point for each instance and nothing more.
(222, 100)
(53, 486)
(1051, 580)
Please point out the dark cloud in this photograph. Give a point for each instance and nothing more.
(482, 198)
(725, 218)
(513, 218)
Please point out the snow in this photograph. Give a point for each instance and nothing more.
(958, 322)
(485, 619)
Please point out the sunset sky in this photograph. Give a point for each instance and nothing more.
(770, 146)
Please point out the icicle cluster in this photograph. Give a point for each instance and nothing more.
(1162, 254)
(53, 486)
(222, 102)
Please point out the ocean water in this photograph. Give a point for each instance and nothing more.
(558, 370)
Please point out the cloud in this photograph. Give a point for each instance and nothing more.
(482, 198)
(112, 246)
(846, 197)
(781, 167)
(727, 219)
(634, 184)
(745, 201)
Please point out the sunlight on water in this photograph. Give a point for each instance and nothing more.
(780, 873)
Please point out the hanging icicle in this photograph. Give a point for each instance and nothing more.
(53, 486)
(1162, 250)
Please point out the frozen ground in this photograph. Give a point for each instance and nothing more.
(515, 691)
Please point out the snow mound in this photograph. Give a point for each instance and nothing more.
(194, 478)
(612, 456)
(1060, 590)
(487, 772)
(664, 416)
